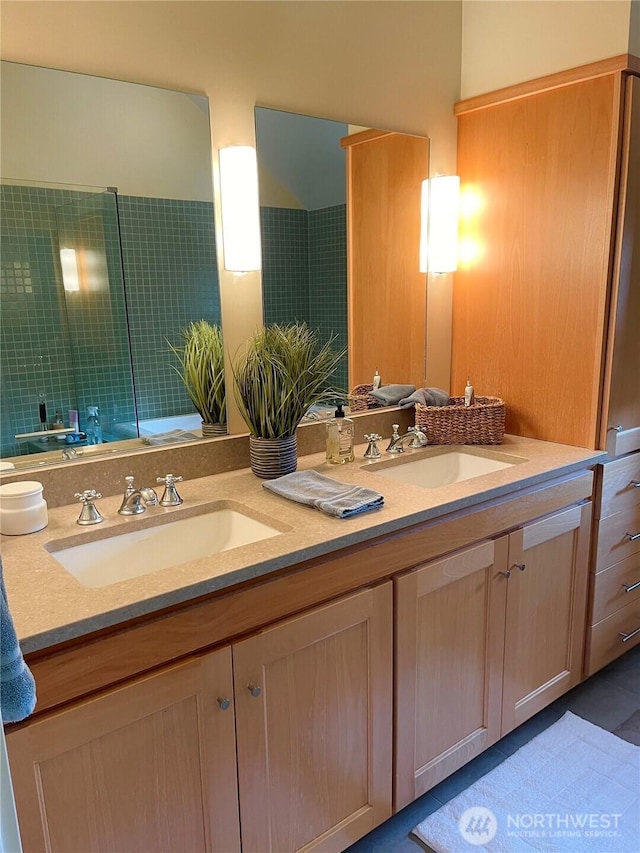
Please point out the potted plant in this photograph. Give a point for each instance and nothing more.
(281, 373)
(201, 368)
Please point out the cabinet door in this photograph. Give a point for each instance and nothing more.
(314, 724)
(546, 605)
(449, 643)
(622, 388)
(149, 766)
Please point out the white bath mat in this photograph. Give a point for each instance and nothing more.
(574, 788)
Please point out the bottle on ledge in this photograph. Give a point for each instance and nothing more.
(93, 428)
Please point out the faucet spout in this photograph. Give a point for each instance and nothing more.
(136, 501)
(415, 433)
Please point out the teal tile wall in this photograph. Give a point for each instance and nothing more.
(285, 264)
(304, 272)
(40, 332)
(171, 275)
(74, 347)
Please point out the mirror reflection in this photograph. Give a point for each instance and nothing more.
(302, 177)
(341, 221)
(107, 254)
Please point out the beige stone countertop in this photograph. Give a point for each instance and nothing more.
(50, 606)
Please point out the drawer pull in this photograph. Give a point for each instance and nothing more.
(633, 536)
(629, 587)
(626, 637)
(635, 484)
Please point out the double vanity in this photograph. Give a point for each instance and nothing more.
(281, 679)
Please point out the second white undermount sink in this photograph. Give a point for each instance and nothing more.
(432, 469)
(134, 553)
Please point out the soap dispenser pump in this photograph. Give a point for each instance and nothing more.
(469, 394)
(340, 438)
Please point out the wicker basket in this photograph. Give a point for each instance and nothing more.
(482, 423)
(360, 399)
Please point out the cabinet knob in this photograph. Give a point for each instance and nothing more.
(520, 566)
(507, 574)
(224, 703)
(254, 689)
(616, 428)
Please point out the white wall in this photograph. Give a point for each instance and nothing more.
(393, 64)
(504, 43)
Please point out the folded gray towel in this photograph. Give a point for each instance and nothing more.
(17, 687)
(390, 395)
(426, 397)
(174, 436)
(330, 496)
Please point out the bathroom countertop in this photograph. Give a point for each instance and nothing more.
(49, 606)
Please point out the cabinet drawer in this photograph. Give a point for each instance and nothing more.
(617, 491)
(605, 640)
(614, 537)
(609, 588)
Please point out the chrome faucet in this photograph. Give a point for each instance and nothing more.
(136, 501)
(415, 433)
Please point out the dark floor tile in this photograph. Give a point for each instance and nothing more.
(626, 678)
(600, 702)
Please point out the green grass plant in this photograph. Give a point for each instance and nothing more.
(281, 373)
(201, 368)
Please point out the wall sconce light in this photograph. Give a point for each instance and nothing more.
(440, 206)
(70, 273)
(240, 208)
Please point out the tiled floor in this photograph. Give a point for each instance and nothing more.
(606, 699)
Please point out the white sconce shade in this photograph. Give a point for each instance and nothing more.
(70, 274)
(240, 208)
(439, 224)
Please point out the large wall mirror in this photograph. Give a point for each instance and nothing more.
(340, 219)
(107, 252)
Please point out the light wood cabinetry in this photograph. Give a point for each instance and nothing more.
(387, 291)
(485, 639)
(615, 577)
(544, 315)
(314, 718)
(143, 733)
(148, 766)
(152, 765)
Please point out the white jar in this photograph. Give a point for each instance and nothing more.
(22, 508)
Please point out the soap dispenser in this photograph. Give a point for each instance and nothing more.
(469, 394)
(340, 438)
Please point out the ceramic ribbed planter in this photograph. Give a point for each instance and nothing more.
(273, 457)
(209, 430)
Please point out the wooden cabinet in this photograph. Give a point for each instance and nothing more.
(152, 765)
(544, 314)
(314, 718)
(486, 638)
(387, 291)
(614, 623)
(147, 766)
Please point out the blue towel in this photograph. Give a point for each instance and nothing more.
(17, 686)
(330, 496)
(426, 397)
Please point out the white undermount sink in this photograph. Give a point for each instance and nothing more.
(155, 545)
(441, 467)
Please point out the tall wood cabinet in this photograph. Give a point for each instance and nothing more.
(545, 308)
(387, 291)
